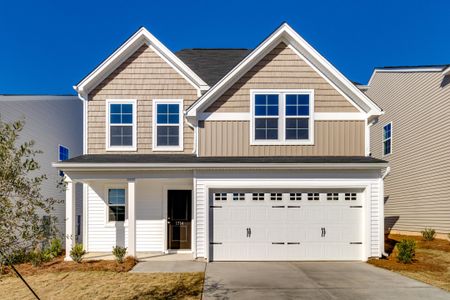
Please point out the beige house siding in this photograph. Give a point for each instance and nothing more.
(143, 76)
(281, 69)
(232, 138)
(417, 191)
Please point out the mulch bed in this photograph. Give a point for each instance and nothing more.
(59, 265)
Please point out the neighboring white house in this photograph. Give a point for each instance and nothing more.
(55, 123)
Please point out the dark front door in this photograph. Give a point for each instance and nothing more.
(179, 208)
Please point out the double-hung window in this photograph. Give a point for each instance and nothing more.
(282, 117)
(116, 205)
(387, 139)
(167, 125)
(121, 125)
(63, 154)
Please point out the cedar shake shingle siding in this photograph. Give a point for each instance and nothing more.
(281, 69)
(417, 190)
(143, 76)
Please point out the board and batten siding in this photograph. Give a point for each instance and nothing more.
(232, 138)
(280, 180)
(282, 68)
(417, 190)
(143, 76)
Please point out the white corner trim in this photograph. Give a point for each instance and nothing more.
(125, 50)
(155, 147)
(107, 141)
(287, 33)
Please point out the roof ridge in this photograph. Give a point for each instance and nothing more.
(414, 66)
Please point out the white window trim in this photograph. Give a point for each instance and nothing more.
(157, 148)
(282, 117)
(109, 223)
(383, 139)
(133, 147)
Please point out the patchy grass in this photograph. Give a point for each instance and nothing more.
(105, 285)
(431, 263)
(59, 265)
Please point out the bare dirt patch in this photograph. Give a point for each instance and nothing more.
(105, 285)
(431, 263)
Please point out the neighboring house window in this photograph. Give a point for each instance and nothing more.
(168, 125)
(387, 139)
(122, 124)
(282, 117)
(63, 154)
(78, 224)
(116, 205)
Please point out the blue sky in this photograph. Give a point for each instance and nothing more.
(48, 46)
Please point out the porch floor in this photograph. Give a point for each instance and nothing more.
(143, 256)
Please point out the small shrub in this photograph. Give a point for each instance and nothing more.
(38, 257)
(54, 249)
(119, 253)
(406, 251)
(77, 252)
(428, 234)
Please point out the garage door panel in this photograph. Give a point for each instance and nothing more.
(324, 228)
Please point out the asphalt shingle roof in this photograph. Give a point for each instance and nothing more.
(212, 64)
(187, 158)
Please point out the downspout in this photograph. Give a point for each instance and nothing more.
(385, 174)
(195, 128)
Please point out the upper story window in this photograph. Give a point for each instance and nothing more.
(63, 154)
(121, 125)
(282, 117)
(387, 139)
(167, 125)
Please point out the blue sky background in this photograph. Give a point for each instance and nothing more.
(48, 46)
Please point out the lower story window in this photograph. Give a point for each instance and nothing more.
(116, 205)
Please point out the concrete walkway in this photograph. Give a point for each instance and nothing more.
(311, 280)
(169, 263)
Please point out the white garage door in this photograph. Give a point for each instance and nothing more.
(286, 225)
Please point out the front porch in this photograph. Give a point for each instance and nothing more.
(151, 215)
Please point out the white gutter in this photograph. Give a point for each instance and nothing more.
(142, 166)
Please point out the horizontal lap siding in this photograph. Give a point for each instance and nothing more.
(143, 76)
(281, 69)
(231, 138)
(417, 190)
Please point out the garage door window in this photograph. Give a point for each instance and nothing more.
(220, 196)
(276, 196)
(238, 196)
(258, 196)
(295, 196)
(313, 196)
(332, 196)
(350, 196)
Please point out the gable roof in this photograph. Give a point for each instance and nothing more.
(444, 68)
(286, 34)
(214, 63)
(139, 38)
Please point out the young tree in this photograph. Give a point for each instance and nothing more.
(22, 205)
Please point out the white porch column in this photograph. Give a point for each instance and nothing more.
(132, 217)
(70, 216)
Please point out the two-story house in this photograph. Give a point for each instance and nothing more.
(228, 154)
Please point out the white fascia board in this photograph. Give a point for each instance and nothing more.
(190, 166)
(285, 32)
(446, 71)
(125, 50)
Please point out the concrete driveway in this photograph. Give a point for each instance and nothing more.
(311, 280)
